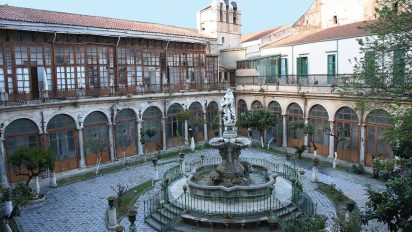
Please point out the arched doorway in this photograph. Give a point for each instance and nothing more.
(212, 116)
(21, 133)
(152, 120)
(62, 136)
(377, 122)
(196, 121)
(295, 136)
(276, 132)
(96, 135)
(125, 131)
(175, 129)
(319, 119)
(346, 125)
(241, 109)
(256, 133)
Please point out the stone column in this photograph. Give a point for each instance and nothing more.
(284, 132)
(362, 144)
(164, 134)
(205, 135)
(306, 138)
(220, 125)
(139, 137)
(3, 166)
(186, 134)
(331, 141)
(111, 143)
(82, 161)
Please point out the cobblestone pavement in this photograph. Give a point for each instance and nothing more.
(81, 206)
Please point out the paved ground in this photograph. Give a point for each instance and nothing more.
(81, 206)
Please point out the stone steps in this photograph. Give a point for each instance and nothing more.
(163, 216)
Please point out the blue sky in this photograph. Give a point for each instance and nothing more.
(257, 14)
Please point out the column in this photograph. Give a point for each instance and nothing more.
(139, 137)
(284, 132)
(205, 134)
(82, 162)
(220, 125)
(306, 138)
(111, 143)
(186, 134)
(331, 141)
(362, 144)
(3, 167)
(164, 134)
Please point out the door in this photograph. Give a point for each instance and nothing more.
(331, 68)
(34, 83)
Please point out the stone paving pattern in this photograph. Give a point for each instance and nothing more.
(82, 206)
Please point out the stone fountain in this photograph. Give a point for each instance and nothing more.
(230, 192)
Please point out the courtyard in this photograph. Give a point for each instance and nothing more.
(82, 206)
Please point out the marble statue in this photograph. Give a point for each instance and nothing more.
(228, 108)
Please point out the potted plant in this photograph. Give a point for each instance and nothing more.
(315, 162)
(350, 205)
(119, 229)
(111, 200)
(154, 161)
(132, 216)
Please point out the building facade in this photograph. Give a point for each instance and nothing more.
(69, 82)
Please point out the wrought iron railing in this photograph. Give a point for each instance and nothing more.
(315, 80)
(27, 98)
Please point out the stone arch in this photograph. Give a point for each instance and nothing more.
(295, 136)
(276, 132)
(318, 117)
(197, 115)
(96, 133)
(125, 130)
(175, 130)
(347, 123)
(152, 119)
(63, 140)
(256, 104)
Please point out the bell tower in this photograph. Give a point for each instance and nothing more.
(222, 22)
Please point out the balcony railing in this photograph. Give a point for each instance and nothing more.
(24, 98)
(316, 80)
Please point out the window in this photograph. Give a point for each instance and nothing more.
(20, 53)
(21, 133)
(335, 19)
(346, 125)
(23, 80)
(61, 131)
(223, 40)
(212, 115)
(319, 119)
(36, 55)
(130, 67)
(235, 16)
(95, 127)
(331, 68)
(369, 65)
(212, 69)
(294, 113)
(302, 66)
(398, 68)
(174, 127)
(276, 132)
(101, 70)
(125, 128)
(152, 118)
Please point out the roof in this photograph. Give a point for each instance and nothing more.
(20, 14)
(339, 32)
(261, 34)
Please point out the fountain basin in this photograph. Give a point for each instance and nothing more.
(263, 184)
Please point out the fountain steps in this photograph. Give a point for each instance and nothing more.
(163, 216)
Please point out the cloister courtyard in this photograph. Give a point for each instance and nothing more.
(82, 205)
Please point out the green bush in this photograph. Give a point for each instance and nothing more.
(308, 224)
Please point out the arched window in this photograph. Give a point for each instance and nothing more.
(96, 132)
(319, 119)
(126, 132)
(241, 107)
(377, 122)
(212, 116)
(257, 104)
(152, 120)
(346, 125)
(175, 129)
(63, 142)
(195, 121)
(276, 132)
(21, 133)
(295, 136)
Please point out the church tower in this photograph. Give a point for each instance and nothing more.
(221, 21)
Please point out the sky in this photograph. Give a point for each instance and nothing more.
(256, 14)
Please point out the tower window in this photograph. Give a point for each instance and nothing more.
(234, 16)
(335, 19)
(221, 12)
(223, 40)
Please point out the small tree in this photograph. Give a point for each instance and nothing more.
(31, 162)
(98, 146)
(259, 118)
(125, 143)
(338, 137)
(21, 195)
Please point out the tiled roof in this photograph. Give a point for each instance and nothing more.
(260, 34)
(346, 31)
(20, 14)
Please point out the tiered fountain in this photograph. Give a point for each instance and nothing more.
(227, 193)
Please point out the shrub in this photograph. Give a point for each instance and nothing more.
(358, 168)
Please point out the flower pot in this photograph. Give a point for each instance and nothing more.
(350, 206)
(111, 200)
(132, 216)
(119, 229)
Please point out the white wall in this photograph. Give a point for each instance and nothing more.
(345, 49)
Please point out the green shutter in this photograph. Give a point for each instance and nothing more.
(398, 67)
(331, 67)
(304, 68)
(299, 67)
(369, 66)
